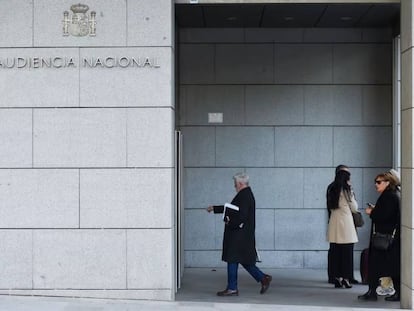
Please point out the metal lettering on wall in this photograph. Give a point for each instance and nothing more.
(74, 62)
(79, 24)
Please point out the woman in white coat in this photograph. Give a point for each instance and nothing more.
(341, 229)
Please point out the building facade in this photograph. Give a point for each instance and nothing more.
(87, 127)
(99, 198)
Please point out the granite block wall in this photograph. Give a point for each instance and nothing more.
(295, 103)
(87, 148)
(407, 165)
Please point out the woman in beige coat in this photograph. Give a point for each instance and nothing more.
(341, 229)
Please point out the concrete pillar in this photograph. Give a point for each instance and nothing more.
(407, 172)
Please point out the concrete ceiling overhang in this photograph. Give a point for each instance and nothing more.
(287, 14)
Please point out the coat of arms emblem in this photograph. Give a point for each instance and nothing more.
(79, 24)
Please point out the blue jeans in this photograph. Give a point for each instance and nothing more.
(232, 274)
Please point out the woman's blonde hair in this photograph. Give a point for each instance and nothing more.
(393, 180)
(394, 177)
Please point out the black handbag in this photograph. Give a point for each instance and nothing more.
(358, 220)
(382, 241)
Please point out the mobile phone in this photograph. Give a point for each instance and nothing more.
(370, 204)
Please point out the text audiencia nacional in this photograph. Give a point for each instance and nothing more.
(74, 62)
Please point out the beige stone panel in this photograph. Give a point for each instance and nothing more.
(407, 25)
(150, 23)
(407, 297)
(150, 259)
(126, 198)
(406, 259)
(16, 20)
(150, 137)
(407, 237)
(42, 198)
(407, 143)
(110, 23)
(79, 259)
(407, 85)
(120, 82)
(15, 138)
(79, 138)
(39, 77)
(16, 259)
(407, 191)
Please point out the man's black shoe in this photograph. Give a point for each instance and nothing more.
(228, 292)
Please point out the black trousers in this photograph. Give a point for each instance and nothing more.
(342, 263)
(385, 263)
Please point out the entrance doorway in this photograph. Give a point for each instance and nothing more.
(284, 92)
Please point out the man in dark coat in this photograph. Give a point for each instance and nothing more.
(239, 246)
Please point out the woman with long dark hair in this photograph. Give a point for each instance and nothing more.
(341, 229)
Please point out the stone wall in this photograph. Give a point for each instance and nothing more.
(295, 104)
(87, 148)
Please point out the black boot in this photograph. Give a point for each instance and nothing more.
(353, 281)
(395, 297)
(371, 295)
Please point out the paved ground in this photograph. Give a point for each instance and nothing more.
(291, 290)
(289, 287)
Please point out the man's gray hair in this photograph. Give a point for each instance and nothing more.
(241, 178)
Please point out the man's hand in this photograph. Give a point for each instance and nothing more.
(210, 209)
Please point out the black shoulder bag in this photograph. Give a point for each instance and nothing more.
(382, 241)
(358, 220)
